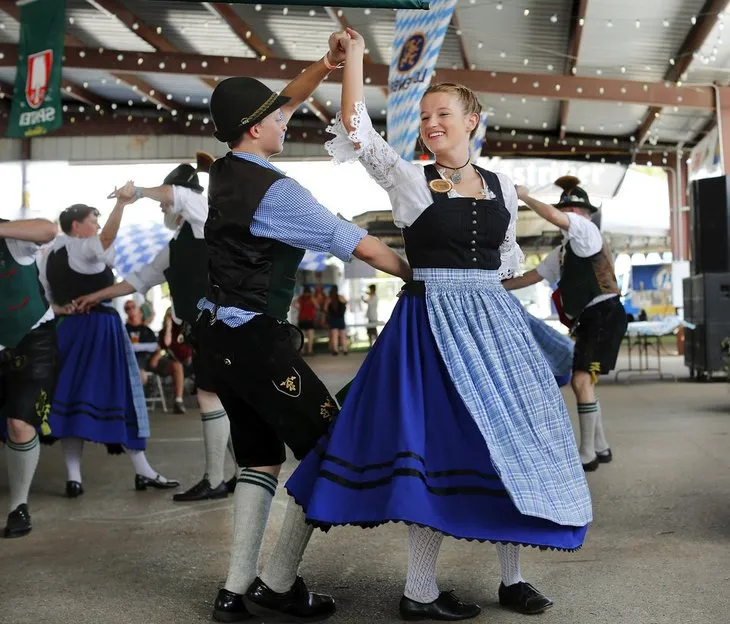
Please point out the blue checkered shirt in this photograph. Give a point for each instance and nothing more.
(290, 214)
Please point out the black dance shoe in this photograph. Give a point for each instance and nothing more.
(447, 607)
(202, 491)
(18, 522)
(605, 457)
(523, 598)
(231, 484)
(592, 465)
(229, 607)
(142, 483)
(74, 489)
(296, 605)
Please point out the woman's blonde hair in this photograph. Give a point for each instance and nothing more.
(469, 102)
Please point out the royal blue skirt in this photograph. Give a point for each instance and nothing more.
(94, 397)
(404, 448)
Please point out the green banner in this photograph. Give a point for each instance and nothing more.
(37, 100)
(341, 4)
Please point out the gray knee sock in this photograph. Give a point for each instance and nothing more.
(22, 461)
(587, 418)
(423, 551)
(216, 431)
(281, 570)
(252, 504)
(509, 563)
(601, 443)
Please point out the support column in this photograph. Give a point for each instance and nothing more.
(25, 157)
(722, 99)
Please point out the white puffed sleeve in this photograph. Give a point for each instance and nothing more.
(404, 181)
(510, 252)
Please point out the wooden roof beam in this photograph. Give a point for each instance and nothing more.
(577, 19)
(693, 42)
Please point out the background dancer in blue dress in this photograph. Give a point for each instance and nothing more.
(99, 394)
(454, 424)
(588, 294)
(28, 359)
(183, 264)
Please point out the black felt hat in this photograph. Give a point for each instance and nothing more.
(240, 102)
(184, 175)
(573, 196)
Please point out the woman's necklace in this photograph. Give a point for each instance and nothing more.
(455, 177)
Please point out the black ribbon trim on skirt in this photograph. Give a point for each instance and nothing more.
(326, 526)
(68, 410)
(459, 472)
(416, 288)
(469, 490)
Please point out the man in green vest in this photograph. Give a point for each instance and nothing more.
(183, 264)
(28, 359)
(589, 302)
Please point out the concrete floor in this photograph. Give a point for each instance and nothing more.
(658, 551)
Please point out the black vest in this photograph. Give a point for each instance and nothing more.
(66, 284)
(584, 279)
(187, 274)
(246, 271)
(460, 232)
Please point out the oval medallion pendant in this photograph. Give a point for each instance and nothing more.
(440, 186)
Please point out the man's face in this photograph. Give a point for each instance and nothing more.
(583, 212)
(134, 314)
(87, 227)
(272, 132)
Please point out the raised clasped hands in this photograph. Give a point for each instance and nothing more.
(126, 194)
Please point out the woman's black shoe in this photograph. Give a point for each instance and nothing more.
(447, 607)
(18, 524)
(605, 457)
(142, 483)
(523, 598)
(74, 489)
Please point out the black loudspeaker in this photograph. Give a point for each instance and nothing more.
(710, 223)
(706, 305)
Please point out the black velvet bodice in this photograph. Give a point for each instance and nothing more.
(460, 232)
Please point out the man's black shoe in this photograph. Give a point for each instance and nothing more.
(229, 607)
(231, 484)
(447, 607)
(296, 605)
(523, 598)
(202, 491)
(18, 522)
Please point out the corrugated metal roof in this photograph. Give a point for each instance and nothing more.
(678, 127)
(104, 85)
(520, 113)
(100, 28)
(502, 40)
(190, 27)
(611, 119)
(9, 29)
(712, 63)
(611, 39)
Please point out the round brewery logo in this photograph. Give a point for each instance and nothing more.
(411, 52)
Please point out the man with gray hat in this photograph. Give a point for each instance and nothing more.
(588, 299)
(259, 224)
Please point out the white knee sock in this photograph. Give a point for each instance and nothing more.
(281, 570)
(72, 450)
(252, 504)
(587, 418)
(216, 431)
(601, 444)
(423, 551)
(231, 451)
(509, 563)
(22, 461)
(141, 465)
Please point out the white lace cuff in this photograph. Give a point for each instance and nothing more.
(342, 147)
(511, 256)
